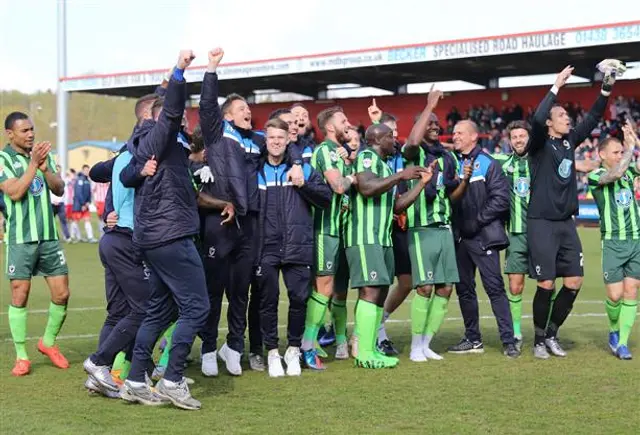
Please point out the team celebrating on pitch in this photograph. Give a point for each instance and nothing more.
(228, 210)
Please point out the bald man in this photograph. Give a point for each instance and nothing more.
(368, 242)
(478, 219)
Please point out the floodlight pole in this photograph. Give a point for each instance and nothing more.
(62, 95)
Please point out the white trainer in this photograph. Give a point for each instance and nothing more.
(231, 359)
(429, 354)
(417, 354)
(292, 360)
(274, 361)
(210, 364)
(342, 351)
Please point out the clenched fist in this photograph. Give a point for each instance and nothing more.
(185, 58)
(215, 56)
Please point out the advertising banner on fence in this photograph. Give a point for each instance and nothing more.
(492, 46)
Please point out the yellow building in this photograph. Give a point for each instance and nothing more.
(90, 152)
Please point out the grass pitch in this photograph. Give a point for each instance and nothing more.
(588, 392)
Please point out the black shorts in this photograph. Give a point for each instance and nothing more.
(401, 251)
(555, 250)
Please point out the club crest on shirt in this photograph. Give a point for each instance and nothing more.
(564, 170)
(624, 197)
(366, 163)
(37, 186)
(521, 187)
(440, 181)
(334, 156)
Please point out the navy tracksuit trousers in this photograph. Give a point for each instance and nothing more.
(297, 279)
(470, 256)
(232, 274)
(127, 291)
(178, 289)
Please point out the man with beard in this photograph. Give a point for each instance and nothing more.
(305, 129)
(331, 269)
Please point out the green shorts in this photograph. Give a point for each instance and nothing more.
(38, 258)
(517, 256)
(433, 256)
(620, 260)
(330, 260)
(371, 265)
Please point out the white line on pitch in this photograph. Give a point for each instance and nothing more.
(224, 329)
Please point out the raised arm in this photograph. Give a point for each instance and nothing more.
(591, 120)
(539, 126)
(170, 118)
(410, 151)
(211, 120)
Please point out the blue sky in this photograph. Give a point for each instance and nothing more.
(127, 35)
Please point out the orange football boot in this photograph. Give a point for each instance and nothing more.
(22, 367)
(54, 355)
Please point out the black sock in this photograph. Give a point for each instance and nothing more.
(541, 307)
(561, 309)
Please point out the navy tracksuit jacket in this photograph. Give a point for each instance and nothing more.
(285, 244)
(166, 222)
(478, 221)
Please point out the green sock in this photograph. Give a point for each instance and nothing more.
(168, 334)
(124, 371)
(316, 309)
(339, 314)
(18, 326)
(613, 313)
(119, 360)
(57, 314)
(419, 312)
(515, 304)
(355, 326)
(628, 313)
(437, 311)
(366, 317)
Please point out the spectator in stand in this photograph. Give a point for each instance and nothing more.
(454, 116)
(59, 209)
(81, 202)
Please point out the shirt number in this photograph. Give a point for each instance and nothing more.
(581, 259)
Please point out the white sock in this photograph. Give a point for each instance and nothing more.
(75, 231)
(427, 340)
(382, 333)
(89, 229)
(416, 341)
